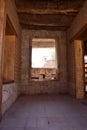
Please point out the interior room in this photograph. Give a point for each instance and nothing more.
(43, 65)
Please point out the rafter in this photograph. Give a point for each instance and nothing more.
(47, 11)
(41, 24)
(36, 27)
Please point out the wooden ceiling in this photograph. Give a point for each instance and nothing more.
(47, 14)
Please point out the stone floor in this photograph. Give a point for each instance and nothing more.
(46, 113)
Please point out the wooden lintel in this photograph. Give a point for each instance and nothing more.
(47, 11)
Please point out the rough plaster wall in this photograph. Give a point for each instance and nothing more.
(71, 69)
(59, 86)
(17, 65)
(9, 94)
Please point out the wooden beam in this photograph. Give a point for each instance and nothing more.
(47, 11)
(41, 24)
(79, 71)
(50, 28)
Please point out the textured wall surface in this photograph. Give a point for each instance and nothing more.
(59, 86)
(9, 94)
(71, 68)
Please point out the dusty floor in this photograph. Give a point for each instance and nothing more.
(46, 113)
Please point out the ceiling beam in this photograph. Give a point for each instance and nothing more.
(41, 24)
(47, 11)
(51, 28)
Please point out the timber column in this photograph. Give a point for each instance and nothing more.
(79, 73)
(2, 37)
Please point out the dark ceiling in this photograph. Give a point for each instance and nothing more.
(47, 14)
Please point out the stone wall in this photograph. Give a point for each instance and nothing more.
(9, 94)
(59, 86)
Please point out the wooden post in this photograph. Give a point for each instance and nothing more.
(30, 58)
(57, 58)
(79, 72)
(2, 34)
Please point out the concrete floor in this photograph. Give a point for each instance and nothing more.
(46, 113)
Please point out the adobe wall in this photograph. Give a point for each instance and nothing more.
(45, 87)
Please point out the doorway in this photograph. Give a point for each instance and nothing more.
(80, 48)
(8, 64)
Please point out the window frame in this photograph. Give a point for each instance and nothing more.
(57, 57)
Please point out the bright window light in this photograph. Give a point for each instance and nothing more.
(44, 58)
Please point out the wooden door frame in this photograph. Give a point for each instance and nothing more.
(79, 71)
(2, 39)
(79, 37)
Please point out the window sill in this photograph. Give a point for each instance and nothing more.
(42, 80)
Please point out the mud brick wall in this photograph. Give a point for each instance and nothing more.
(49, 87)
